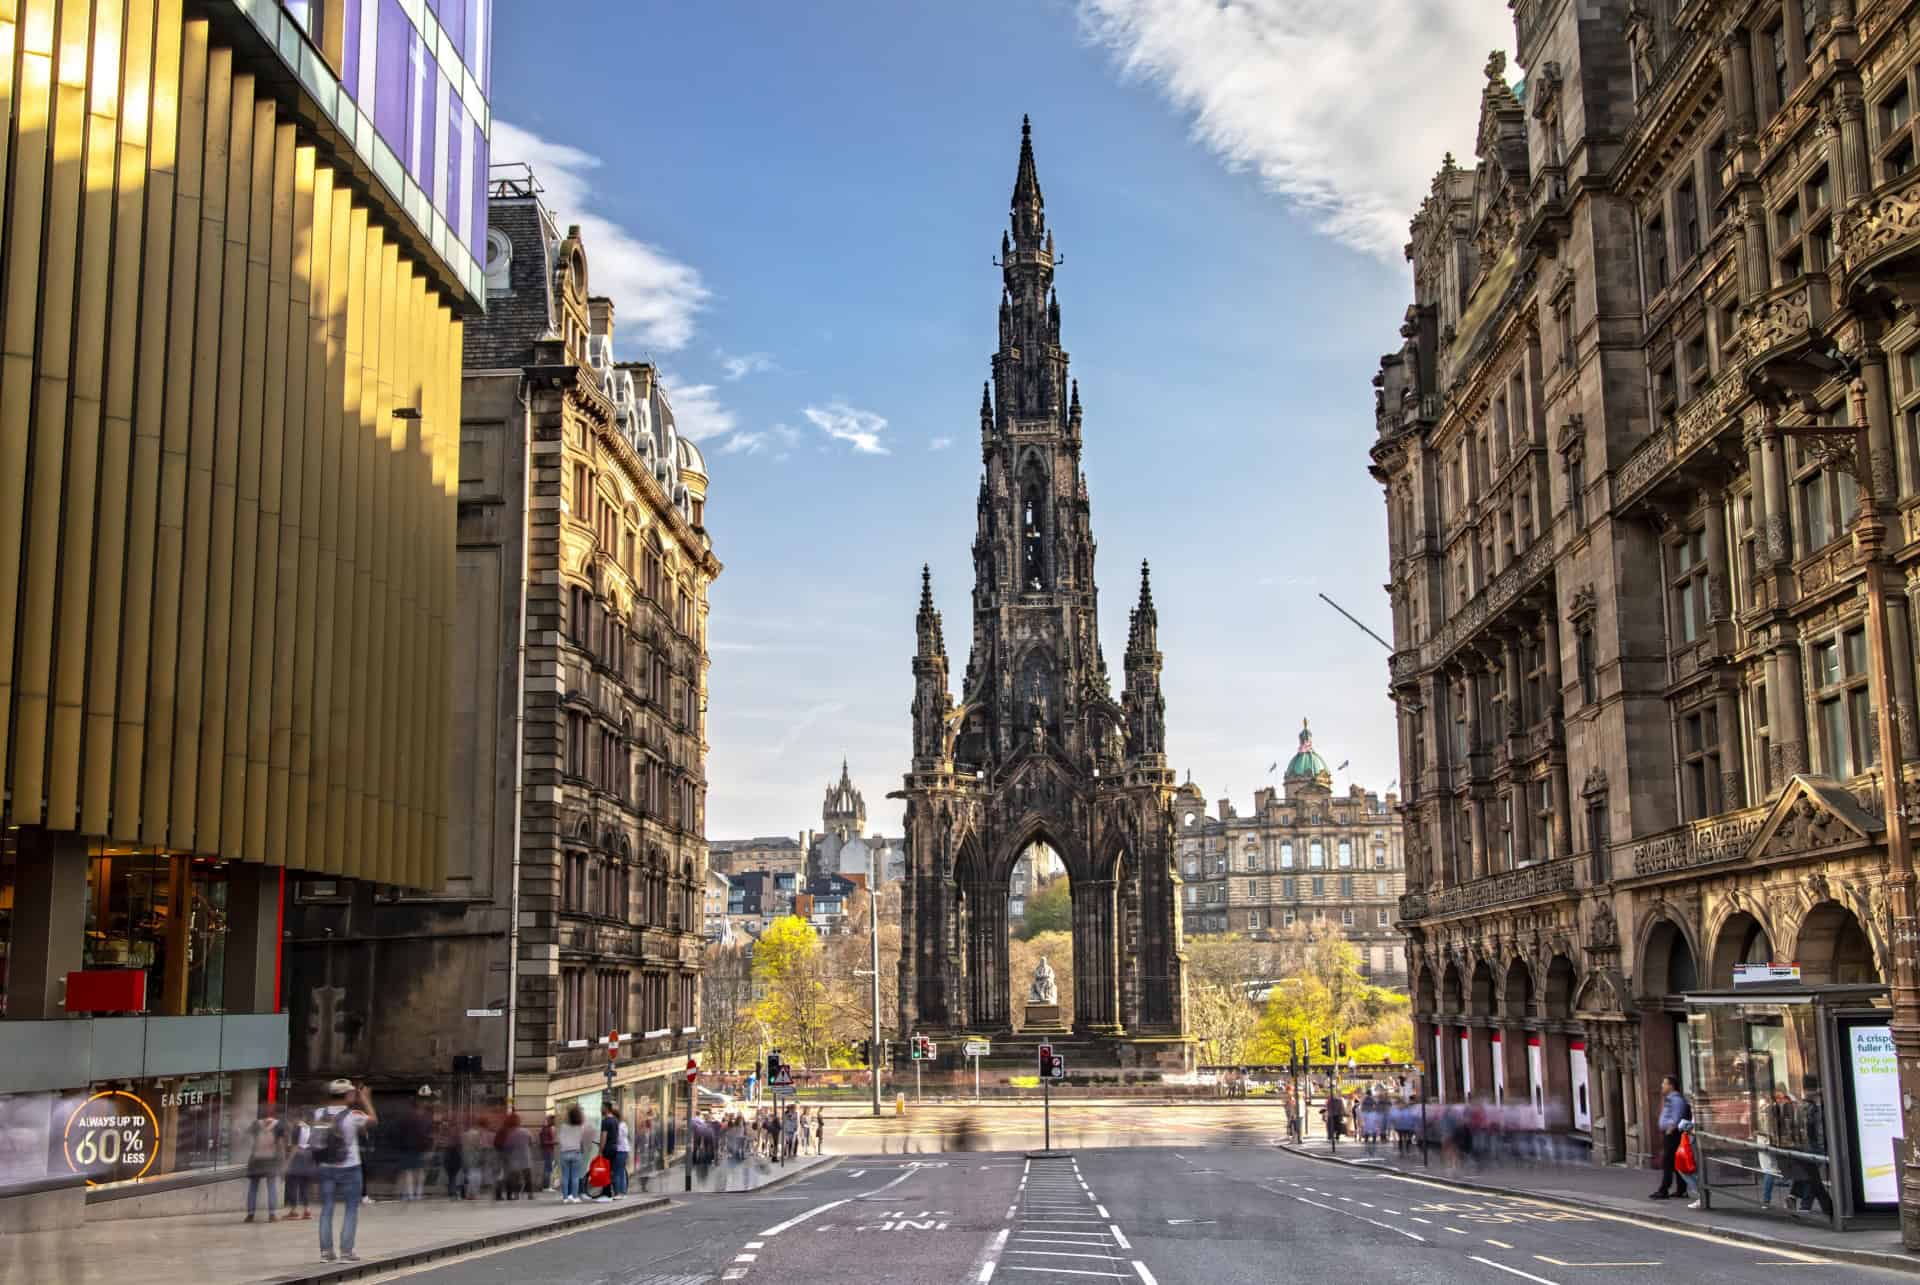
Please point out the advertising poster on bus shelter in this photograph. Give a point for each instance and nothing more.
(1873, 1099)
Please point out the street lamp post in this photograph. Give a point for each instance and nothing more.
(1851, 447)
(875, 1053)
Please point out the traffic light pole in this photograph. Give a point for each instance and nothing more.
(1046, 1111)
(875, 1051)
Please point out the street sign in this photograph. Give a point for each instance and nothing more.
(693, 1070)
(696, 1042)
(483, 1012)
(979, 1048)
(1057, 1069)
(782, 1078)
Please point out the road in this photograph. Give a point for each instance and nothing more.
(853, 1130)
(1175, 1216)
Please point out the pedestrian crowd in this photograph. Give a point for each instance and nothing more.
(303, 1158)
(772, 1134)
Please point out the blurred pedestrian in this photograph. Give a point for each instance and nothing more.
(475, 1143)
(548, 1140)
(299, 1172)
(515, 1147)
(622, 1153)
(266, 1155)
(571, 1142)
(413, 1137)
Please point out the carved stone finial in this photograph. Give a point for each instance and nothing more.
(1497, 67)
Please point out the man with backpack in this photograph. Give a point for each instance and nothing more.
(334, 1143)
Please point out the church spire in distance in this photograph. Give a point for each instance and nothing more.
(1029, 207)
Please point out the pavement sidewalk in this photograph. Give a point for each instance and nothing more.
(213, 1249)
(1617, 1190)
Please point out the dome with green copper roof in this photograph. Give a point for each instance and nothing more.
(1306, 765)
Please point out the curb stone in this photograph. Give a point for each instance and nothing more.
(1860, 1257)
(327, 1273)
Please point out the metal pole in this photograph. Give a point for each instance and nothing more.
(976, 1077)
(916, 1083)
(689, 1139)
(1425, 1159)
(1046, 1110)
(875, 1055)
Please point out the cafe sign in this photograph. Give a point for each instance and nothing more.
(111, 1137)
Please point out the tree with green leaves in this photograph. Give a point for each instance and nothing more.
(797, 1005)
(1049, 909)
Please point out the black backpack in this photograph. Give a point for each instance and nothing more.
(326, 1143)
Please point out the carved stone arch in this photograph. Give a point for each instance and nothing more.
(1729, 935)
(1519, 990)
(1661, 932)
(1835, 945)
(1044, 828)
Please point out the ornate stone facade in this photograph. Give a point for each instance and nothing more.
(1305, 854)
(1038, 750)
(576, 874)
(1614, 562)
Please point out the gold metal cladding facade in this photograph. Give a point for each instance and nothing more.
(229, 429)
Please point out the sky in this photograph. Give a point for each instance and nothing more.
(795, 209)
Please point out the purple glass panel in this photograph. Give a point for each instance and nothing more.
(477, 230)
(424, 122)
(453, 21)
(394, 60)
(350, 49)
(453, 201)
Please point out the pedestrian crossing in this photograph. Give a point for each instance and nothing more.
(1058, 1229)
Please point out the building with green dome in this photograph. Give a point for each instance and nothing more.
(1305, 853)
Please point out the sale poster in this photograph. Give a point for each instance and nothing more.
(1876, 1112)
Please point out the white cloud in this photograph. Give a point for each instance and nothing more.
(1346, 116)
(860, 428)
(657, 299)
(744, 443)
(940, 443)
(697, 413)
(739, 365)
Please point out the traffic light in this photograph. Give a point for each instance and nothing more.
(866, 1053)
(1343, 1048)
(1326, 1046)
(773, 1066)
(1046, 1060)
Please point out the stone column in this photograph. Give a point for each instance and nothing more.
(1787, 712)
(1477, 827)
(1776, 541)
(253, 937)
(1856, 170)
(1557, 769)
(1719, 596)
(49, 924)
(1736, 81)
(1733, 777)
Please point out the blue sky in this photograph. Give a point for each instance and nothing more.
(795, 207)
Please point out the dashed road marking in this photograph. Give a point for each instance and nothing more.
(1146, 1276)
(1514, 1270)
(1501, 1243)
(1456, 1231)
(1103, 1211)
(1119, 1238)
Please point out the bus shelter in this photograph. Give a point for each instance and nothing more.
(1796, 1098)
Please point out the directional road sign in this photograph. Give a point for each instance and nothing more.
(979, 1048)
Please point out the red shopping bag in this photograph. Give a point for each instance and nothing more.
(600, 1173)
(1683, 1161)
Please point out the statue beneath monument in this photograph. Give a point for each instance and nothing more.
(1044, 989)
(1043, 1002)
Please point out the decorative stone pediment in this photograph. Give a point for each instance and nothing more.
(1604, 994)
(1813, 815)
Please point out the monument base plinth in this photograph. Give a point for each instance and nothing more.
(1043, 1019)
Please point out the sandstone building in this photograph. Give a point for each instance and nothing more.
(1630, 660)
(1305, 855)
(574, 903)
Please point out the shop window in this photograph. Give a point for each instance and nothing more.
(135, 904)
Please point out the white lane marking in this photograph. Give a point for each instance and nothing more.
(856, 1173)
(1515, 1270)
(797, 1219)
(1562, 1263)
(1502, 1244)
(1010, 1210)
(990, 1256)
(1119, 1238)
(1456, 1231)
(733, 1273)
(1788, 1255)
(753, 1244)
(1335, 1209)
(1067, 1271)
(1103, 1211)
(1061, 1253)
(1385, 1210)
(1025, 1167)
(1145, 1275)
(1428, 1221)
(1368, 1203)
(1064, 1238)
(744, 1258)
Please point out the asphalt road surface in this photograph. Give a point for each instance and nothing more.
(1202, 1216)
